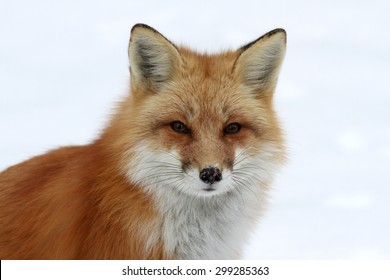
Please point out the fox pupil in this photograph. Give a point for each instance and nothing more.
(232, 128)
(180, 127)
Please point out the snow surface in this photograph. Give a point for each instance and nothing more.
(63, 66)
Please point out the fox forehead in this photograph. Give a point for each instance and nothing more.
(214, 66)
(198, 96)
(204, 84)
(205, 100)
(206, 87)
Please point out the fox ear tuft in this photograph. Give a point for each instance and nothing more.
(153, 58)
(258, 63)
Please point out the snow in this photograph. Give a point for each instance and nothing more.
(63, 66)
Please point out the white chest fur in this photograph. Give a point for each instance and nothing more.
(207, 227)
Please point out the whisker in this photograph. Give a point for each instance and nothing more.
(254, 170)
(168, 179)
(172, 155)
(242, 156)
(161, 174)
(248, 174)
(240, 187)
(157, 163)
(242, 184)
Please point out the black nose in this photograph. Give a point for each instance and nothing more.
(210, 175)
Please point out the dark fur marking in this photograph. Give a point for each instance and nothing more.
(147, 67)
(142, 25)
(247, 46)
(266, 71)
(269, 34)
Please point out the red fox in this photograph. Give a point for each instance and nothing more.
(180, 172)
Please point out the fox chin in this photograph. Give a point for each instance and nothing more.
(181, 171)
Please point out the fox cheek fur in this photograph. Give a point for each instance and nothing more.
(180, 172)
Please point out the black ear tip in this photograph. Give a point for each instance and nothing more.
(142, 26)
(279, 31)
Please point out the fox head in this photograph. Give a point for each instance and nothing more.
(200, 124)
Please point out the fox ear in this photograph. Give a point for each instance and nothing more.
(154, 60)
(258, 63)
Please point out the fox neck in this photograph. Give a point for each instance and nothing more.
(207, 227)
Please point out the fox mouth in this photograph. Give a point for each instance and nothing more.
(209, 189)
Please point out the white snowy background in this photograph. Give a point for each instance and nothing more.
(63, 66)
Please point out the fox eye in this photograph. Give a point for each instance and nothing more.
(232, 128)
(180, 127)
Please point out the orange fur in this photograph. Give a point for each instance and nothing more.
(71, 203)
(78, 202)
